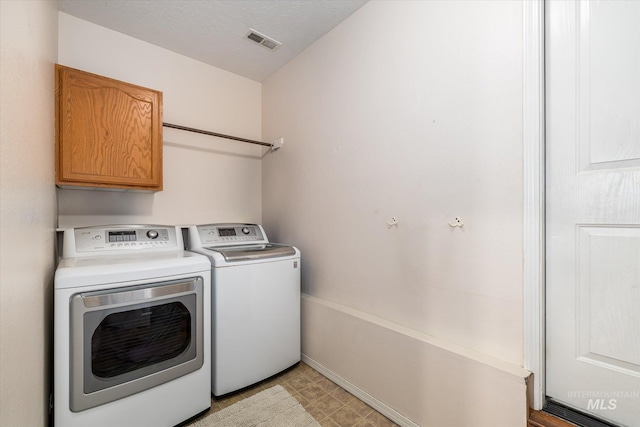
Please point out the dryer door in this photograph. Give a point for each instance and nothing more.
(127, 340)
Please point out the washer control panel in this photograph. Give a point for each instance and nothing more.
(231, 234)
(115, 238)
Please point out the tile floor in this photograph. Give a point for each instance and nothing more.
(328, 403)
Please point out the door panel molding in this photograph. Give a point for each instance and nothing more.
(594, 150)
(609, 283)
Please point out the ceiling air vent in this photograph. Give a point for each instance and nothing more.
(263, 40)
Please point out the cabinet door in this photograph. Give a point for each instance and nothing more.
(109, 133)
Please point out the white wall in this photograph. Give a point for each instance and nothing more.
(205, 179)
(27, 208)
(409, 110)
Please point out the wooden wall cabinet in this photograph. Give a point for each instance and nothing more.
(108, 132)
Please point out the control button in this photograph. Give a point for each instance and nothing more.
(98, 237)
(152, 234)
(245, 230)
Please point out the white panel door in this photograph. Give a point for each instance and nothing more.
(593, 207)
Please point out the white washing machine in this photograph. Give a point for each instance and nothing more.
(132, 328)
(256, 303)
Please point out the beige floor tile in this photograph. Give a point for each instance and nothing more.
(287, 386)
(359, 407)
(313, 393)
(327, 385)
(380, 420)
(328, 404)
(328, 422)
(214, 406)
(314, 375)
(303, 367)
(345, 417)
(315, 412)
(303, 401)
(343, 395)
(300, 382)
(365, 423)
(291, 373)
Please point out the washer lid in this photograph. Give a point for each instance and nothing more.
(254, 253)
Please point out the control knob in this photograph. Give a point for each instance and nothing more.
(245, 230)
(152, 234)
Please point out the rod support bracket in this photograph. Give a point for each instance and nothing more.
(277, 144)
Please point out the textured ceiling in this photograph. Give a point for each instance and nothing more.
(213, 31)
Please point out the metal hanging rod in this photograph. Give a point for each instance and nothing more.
(220, 135)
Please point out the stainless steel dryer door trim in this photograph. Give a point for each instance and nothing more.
(104, 299)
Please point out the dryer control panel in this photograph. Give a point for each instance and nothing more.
(101, 239)
(230, 234)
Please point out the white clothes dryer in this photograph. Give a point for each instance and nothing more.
(132, 328)
(256, 303)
